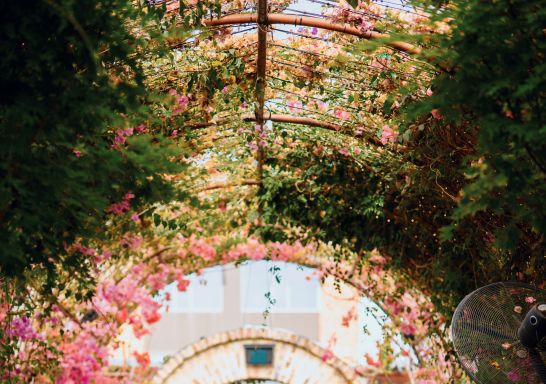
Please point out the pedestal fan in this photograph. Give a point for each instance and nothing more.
(499, 334)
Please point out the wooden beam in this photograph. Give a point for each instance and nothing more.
(279, 18)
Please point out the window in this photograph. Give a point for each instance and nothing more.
(279, 287)
(205, 294)
(257, 354)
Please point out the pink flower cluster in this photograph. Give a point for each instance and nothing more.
(21, 328)
(344, 13)
(158, 280)
(255, 250)
(388, 135)
(412, 316)
(123, 206)
(262, 135)
(201, 248)
(93, 254)
(118, 299)
(181, 282)
(181, 102)
(294, 106)
(342, 114)
(83, 359)
(285, 252)
(319, 105)
(252, 249)
(131, 241)
(348, 317)
(121, 137)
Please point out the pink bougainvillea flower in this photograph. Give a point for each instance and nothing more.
(200, 248)
(183, 100)
(182, 285)
(142, 359)
(140, 128)
(429, 92)
(371, 361)
(342, 114)
(131, 241)
(344, 151)
(530, 300)
(327, 355)
(295, 106)
(118, 141)
(365, 25)
(225, 90)
(388, 135)
(322, 106)
(348, 317)
(122, 206)
(139, 330)
(436, 114)
(84, 250)
(252, 145)
(121, 316)
(21, 328)
(407, 329)
(514, 375)
(77, 153)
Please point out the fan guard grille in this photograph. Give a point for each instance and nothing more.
(484, 333)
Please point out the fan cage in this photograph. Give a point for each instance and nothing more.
(484, 333)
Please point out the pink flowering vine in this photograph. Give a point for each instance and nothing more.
(123, 206)
(180, 102)
(388, 135)
(21, 328)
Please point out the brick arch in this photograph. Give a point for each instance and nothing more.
(220, 359)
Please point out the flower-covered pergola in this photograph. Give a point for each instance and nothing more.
(218, 132)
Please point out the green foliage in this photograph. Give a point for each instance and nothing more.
(70, 76)
(462, 205)
(337, 197)
(498, 84)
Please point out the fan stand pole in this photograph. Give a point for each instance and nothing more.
(538, 364)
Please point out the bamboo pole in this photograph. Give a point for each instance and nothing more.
(296, 120)
(302, 120)
(262, 22)
(278, 18)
